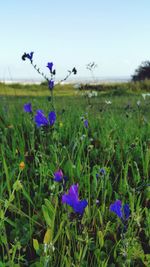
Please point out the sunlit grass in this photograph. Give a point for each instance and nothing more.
(34, 90)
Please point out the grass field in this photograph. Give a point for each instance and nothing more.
(109, 160)
(17, 89)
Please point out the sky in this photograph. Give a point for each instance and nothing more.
(112, 33)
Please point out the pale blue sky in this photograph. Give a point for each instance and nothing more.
(113, 33)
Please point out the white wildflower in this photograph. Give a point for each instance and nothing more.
(144, 95)
(138, 103)
(108, 102)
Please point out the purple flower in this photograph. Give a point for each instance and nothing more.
(86, 124)
(50, 66)
(28, 107)
(58, 176)
(30, 56)
(123, 212)
(52, 117)
(116, 207)
(50, 84)
(40, 119)
(102, 171)
(72, 199)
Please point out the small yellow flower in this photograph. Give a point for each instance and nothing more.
(60, 124)
(21, 165)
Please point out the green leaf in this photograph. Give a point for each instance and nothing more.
(59, 231)
(46, 216)
(50, 208)
(101, 238)
(26, 195)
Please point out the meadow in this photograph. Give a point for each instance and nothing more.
(99, 144)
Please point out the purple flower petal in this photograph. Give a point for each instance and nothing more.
(72, 199)
(72, 196)
(58, 176)
(86, 124)
(73, 192)
(28, 107)
(51, 84)
(40, 119)
(50, 66)
(116, 208)
(126, 211)
(52, 117)
(67, 199)
(80, 206)
(30, 56)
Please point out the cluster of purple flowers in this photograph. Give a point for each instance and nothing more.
(28, 55)
(50, 67)
(72, 199)
(122, 211)
(52, 72)
(39, 118)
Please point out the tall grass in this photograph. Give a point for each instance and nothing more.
(36, 229)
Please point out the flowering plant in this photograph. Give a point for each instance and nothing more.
(51, 80)
(72, 199)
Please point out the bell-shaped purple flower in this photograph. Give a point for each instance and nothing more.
(51, 84)
(116, 207)
(72, 199)
(86, 124)
(52, 117)
(30, 56)
(40, 119)
(58, 176)
(50, 66)
(28, 107)
(123, 212)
